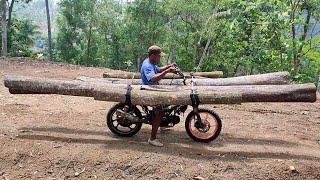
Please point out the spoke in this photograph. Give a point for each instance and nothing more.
(206, 116)
(116, 119)
(132, 127)
(114, 123)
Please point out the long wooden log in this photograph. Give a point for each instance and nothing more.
(256, 93)
(137, 75)
(177, 94)
(260, 79)
(249, 93)
(152, 98)
(105, 92)
(34, 85)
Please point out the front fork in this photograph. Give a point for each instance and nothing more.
(195, 105)
(200, 124)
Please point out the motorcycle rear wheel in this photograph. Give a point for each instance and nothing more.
(120, 126)
(206, 131)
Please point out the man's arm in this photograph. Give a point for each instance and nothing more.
(159, 76)
(166, 67)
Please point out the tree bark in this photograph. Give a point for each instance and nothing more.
(10, 13)
(249, 93)
(303, 37)
(108, 92)
(4, 29)
(155, 95)
(137, 75)
(260, 79)
(33, 85)
(49, 30)
(152, 98)
(89, 42)
(204, 53)
(293, 31)
(269, 93)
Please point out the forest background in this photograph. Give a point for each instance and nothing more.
(238, 37)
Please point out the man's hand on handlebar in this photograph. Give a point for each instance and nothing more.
(172, 69)
(173, 65)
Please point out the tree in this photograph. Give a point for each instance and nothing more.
(22, 37)
(12, 3)
(9, 22)
(4, 28)
(302, 14)
(76, 41)
(237, 37)
(49, 30)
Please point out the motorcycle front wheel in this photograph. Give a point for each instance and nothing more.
(205, 130)
(121, 126)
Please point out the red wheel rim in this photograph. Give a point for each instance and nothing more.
(206, 118)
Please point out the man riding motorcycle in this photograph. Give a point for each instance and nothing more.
(151, 74)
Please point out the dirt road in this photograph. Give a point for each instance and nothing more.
(65, 137)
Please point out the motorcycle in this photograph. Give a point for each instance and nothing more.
(201, 124)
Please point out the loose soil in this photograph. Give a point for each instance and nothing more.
(66, 137)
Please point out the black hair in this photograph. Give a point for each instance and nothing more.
(155, 52)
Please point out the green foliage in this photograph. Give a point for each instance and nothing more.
(36, 10)
(310, 65)
(236, 36)
(21, 37)
(76, 32)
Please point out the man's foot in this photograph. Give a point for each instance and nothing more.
(155, 142)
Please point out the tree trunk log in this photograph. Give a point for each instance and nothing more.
(268, 93)
(137, 75)
(152, 98)
(249, 93)
(33, 85)
(159, 94)
(108, 92)
(260, 79)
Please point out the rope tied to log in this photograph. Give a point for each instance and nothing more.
(128, 94)
(128, 104)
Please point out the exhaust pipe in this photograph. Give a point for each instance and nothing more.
(128, 116)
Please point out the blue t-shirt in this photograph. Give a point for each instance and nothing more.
(148, 70)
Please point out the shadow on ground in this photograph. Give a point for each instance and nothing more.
(176, 146)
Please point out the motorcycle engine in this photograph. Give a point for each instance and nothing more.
(170, 121)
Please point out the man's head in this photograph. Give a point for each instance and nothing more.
(155, 53)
